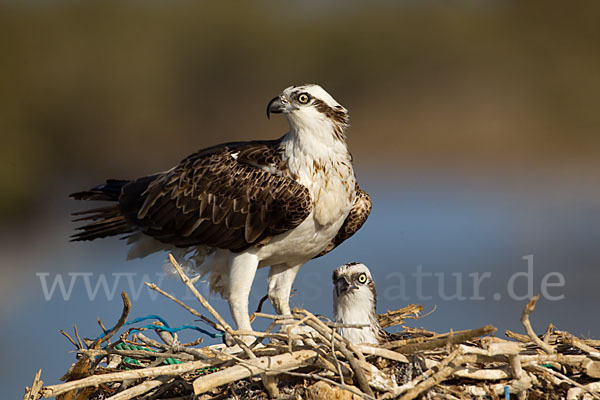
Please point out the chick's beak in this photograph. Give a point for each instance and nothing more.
(342, 286)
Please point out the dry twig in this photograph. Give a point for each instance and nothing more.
(119, 325)
(95, 380)
(33, 392)
(530, 332)
(140, 389)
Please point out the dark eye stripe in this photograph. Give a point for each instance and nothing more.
(338, 115)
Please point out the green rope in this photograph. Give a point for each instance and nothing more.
(206, 370)
(133, 361)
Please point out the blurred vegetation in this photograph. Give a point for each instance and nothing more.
(101, 89)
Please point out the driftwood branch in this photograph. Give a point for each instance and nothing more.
(120, 322)
(140, 389)
(95, 380)
(392, 318)
(280, 363)
(530, 332)
(449, 340)
(282, 367)
(33, 392)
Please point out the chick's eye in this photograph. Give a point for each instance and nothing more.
(303, 98)
(362, 278)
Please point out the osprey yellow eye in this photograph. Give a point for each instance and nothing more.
(303, 98)
(362, 278)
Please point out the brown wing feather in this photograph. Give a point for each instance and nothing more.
(228, 196)
(354, 221)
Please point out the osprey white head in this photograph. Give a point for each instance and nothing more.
(355, 302)
(310, 107)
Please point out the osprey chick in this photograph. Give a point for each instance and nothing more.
(236, 207)
(355, 302)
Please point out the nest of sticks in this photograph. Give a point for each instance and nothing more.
(302, 356)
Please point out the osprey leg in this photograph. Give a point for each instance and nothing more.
(281, 278)
(241, 275)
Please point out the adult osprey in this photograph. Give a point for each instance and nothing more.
(247, 205)
(355, 302)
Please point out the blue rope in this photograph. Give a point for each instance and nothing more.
(147, 317)
(166, 327)
(173, 330)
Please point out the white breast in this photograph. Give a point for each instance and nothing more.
(326, 170)
(332, 200)
(300, 244)
(356, 308)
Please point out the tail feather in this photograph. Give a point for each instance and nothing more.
(110, 191)
(103, 221)
(106, 221)
(95, 213)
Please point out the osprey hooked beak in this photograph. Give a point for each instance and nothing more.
(342, 285)
(278, 105)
